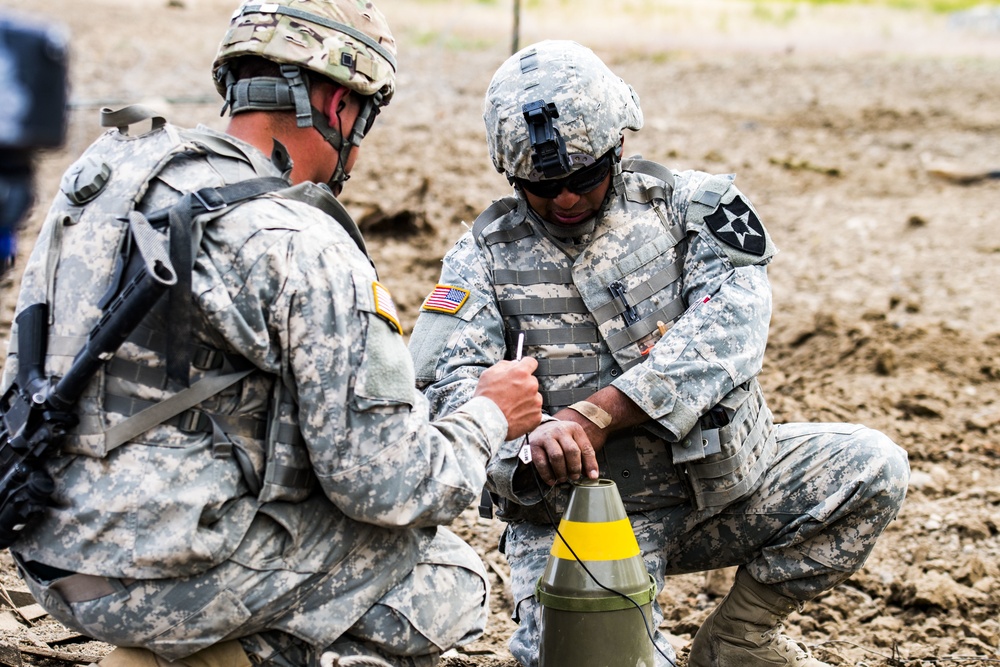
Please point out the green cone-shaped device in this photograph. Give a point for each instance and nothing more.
(583, 623)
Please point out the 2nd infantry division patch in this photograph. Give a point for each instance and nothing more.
(384, 307)
(445, 299)
(736, 225)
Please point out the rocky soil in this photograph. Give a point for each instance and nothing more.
(836, 120)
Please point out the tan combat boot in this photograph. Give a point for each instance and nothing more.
(225, 654)
(745, 630)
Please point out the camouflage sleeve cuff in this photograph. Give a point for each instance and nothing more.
(490, 418)
(657, 397)
(511, 448)
(506, 476)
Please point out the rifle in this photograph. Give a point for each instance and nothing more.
(35, 409)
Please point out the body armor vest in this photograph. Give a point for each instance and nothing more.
(94, 214)
(588, 318)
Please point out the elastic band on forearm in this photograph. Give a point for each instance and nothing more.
(598, 416)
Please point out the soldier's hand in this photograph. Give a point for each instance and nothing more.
(511, 385)
(561, 451)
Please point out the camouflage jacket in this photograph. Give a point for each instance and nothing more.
(282, 288)
(681, 260)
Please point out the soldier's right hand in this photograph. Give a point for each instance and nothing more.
(514, 388)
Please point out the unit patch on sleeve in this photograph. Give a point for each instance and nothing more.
(445, 299)
(736, 225)
(384, 307)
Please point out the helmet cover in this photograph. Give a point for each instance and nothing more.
(586, 105)
(346, 41)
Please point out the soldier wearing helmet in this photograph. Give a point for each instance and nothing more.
(252, 477)
(302, 43)
(642, 291)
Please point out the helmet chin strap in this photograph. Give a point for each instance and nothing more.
(362, 123)
(292, 92)
(343, 148)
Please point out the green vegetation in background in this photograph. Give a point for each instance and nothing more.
(940, 6)
(771, 13)
(451, 41)
(775, 12)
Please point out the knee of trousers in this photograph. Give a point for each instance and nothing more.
(890, 470)
(443, 606)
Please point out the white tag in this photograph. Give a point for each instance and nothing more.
(525, 453)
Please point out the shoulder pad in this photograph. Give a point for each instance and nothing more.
(719, 207)
(662, 191)
(638, 165)
(319, 196)
(494, 212)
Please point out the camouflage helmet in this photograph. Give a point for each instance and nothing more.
(554, 107)
(346, 41)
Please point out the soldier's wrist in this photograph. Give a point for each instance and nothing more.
(595, 414)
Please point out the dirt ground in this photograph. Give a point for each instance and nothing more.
(885, 309)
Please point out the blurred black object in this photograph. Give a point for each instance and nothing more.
(33, 94)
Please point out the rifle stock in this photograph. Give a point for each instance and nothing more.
(35, 410)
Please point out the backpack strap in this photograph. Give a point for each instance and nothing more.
(164, 410)
(180, 219)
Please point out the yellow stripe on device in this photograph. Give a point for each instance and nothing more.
(606, 540)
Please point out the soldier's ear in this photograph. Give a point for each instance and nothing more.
(333, 101)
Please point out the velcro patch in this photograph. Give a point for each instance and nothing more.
(445, 299)
(738, 226)
(384, 307)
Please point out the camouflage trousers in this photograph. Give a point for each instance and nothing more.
(811, 523)
(441, 603)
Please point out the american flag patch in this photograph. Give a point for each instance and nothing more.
(445, 299)
(384, 306)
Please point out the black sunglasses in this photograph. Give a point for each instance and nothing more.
(579, 182)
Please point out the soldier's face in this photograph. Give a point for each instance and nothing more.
(569, 208)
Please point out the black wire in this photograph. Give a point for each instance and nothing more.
(548, 512)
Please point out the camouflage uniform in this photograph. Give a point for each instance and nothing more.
(709, 481)
(186, 531)
(300, 506)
